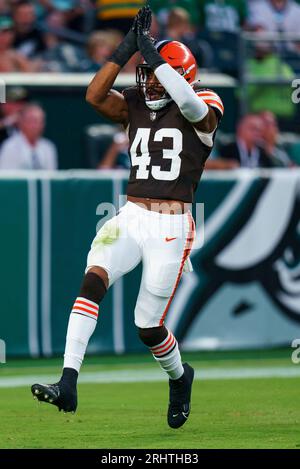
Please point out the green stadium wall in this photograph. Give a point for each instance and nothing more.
(244, 291)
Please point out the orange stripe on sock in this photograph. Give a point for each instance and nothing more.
(163, 351)
(85, 310)
(85, 303)
(157, 347)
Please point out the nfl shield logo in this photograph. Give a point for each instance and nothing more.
(153, 116)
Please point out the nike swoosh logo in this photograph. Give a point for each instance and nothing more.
(169, 239)
(185, 414)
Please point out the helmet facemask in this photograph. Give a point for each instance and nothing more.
(153, 92)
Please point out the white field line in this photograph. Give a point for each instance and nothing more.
(139, 376)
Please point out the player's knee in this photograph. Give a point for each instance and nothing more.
(93, 287)
(153, 335)
(101, 273)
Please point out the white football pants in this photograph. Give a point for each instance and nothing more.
(161, 241)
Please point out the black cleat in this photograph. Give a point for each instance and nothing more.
(62, 396)
(180, 397)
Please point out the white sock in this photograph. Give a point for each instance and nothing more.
(168, 356)
(82, 323)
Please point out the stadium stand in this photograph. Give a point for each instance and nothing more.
(256, 43)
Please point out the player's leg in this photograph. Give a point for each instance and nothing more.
(82, 323)
(114, 252)
(164, 348)
(163, 264)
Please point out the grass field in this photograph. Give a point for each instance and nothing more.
(240, 400)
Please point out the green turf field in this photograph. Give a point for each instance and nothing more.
(234, 405)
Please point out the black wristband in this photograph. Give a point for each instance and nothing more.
(125, 50)
(149, 52)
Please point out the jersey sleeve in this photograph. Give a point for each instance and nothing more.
(212, 99)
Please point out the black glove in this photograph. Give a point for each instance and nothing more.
(128, 46)
(143, 21)
(144, 41)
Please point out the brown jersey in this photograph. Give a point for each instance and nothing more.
(167, 152)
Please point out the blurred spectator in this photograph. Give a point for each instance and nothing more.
(277, 97)
(117, 15)
(274, 15)
(4, 8)
(179, 24)
(9, 111)
(223, 15)
(155, 27)
(270, 136)
(75, 12)
(162, 8)
(61, 55)
(180, 28)
(100, 46)
(11, 60)
(247, 150)
(42, 7)
(28, 38)
(117, 154)
(27, 149)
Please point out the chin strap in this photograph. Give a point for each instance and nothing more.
(157, 104)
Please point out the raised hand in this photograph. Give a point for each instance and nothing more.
(134, 23)
(129, 44)
(144, 19)
(144, 41)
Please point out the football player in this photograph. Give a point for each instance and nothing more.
(171, 125)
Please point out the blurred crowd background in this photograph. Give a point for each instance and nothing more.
(256, 43)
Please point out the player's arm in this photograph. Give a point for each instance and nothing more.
(192, 106)
(108, 102)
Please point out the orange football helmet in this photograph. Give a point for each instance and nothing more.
(179, 57)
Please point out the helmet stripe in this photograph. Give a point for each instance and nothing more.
(189, 69)
(160, 44)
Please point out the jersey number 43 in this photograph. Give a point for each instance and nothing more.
(143, 161)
